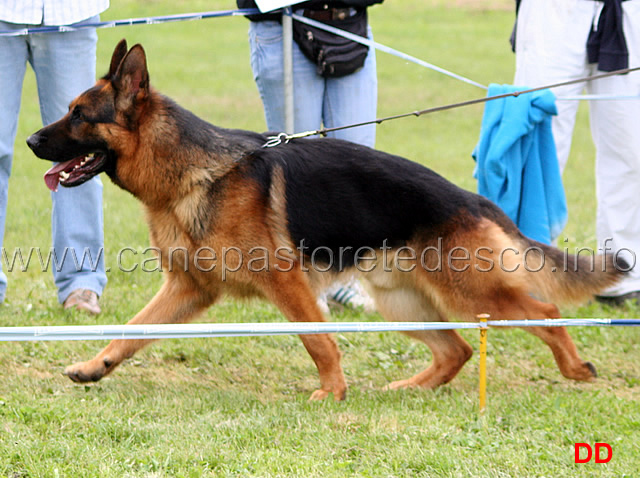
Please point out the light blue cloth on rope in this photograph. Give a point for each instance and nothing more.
(516, 161)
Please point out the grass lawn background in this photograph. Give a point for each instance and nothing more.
(238, 406)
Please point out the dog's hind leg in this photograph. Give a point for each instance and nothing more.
(293, 296)
(175, 302)
(449, 350)
(558, 339)
(512, 304)
(565, 353)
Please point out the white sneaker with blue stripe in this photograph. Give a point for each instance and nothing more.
(351, 295)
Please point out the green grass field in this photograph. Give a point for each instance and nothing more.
(238, 406)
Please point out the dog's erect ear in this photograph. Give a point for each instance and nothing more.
(118, 54)
(131, 80)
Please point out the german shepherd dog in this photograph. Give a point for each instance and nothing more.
(310, 209)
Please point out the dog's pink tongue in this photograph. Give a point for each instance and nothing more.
(52, 177)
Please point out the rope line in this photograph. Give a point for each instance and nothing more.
(129, 22)
(172, 331)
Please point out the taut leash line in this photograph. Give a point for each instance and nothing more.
(283, 137)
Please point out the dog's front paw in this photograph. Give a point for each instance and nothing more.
(90, 371)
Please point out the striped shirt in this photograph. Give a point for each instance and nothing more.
(50, 12)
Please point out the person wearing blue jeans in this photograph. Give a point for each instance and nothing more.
(64, 65)
(318, 101)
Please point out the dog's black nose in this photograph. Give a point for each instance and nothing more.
(35, 140)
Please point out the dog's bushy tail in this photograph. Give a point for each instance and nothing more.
(573, 278)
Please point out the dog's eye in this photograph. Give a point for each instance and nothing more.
(76, 115)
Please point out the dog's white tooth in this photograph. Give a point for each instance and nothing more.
(90, 155)
(63, 175)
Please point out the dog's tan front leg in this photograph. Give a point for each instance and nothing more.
(290, 292)
(174, 303)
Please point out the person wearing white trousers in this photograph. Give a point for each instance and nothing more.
(551, 46)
